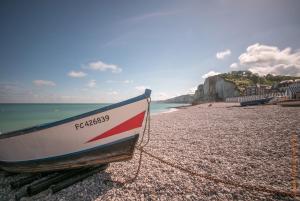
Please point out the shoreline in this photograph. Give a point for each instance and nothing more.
(182, 106)
(170, 109)
(223, 141)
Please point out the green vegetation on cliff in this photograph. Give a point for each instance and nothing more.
(242, 79)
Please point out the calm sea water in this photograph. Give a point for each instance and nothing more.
(18, 116)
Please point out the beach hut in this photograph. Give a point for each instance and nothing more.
(292, 90)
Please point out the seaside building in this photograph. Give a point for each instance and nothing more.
(251, 90)
(293, 91)
(257, 90)
(283, 85)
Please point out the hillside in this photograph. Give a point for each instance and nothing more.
(219, 87)
(242, 79)
(180, 99)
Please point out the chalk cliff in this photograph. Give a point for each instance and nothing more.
(215, 88)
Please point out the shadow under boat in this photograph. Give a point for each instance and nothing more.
(28, 185)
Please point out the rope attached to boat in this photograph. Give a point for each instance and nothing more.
(249, 187)
(227, 182)
(141, 146)
(147, 123)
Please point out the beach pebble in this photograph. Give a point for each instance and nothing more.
(247, 145)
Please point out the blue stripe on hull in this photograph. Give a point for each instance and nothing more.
(53, 124)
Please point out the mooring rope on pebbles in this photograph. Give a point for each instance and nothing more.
(294, 193)
(294, 162)
(141, 146)
(231, 183)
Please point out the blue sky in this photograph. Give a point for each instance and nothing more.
(106, 51)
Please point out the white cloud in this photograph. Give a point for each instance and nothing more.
(234, 65)
(142, 88)
(150, 15)
(92, 83)
(44, 83)
(128, 81)
(160, 96)
(76, 74)
(84, 89)
(114, 93)
(120, 81)
(8, 86)
(210, 73)
(101, 66)
(20, 93)
(222, 55)
(264, 59)
(156, 96)
(192, 90)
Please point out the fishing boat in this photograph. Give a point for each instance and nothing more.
(101, 136)
(255, 102)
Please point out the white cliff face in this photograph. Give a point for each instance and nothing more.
(199, 94)
(215, 88)
(226, 89)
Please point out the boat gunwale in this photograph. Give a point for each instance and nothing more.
(29, 130)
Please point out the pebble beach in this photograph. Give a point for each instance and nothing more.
(246, 145)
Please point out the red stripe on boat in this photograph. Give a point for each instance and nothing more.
(132, 123)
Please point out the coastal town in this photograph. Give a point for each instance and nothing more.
(236, 86)
(110, 100)
(215, 150)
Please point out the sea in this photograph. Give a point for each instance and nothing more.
(19, 116)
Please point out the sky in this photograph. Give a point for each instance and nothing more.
(106, 51)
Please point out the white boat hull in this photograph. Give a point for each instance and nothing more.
(104, 136)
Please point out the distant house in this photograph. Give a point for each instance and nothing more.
(283, 85)
(250, 90)
(293, 91)
(257, 90)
